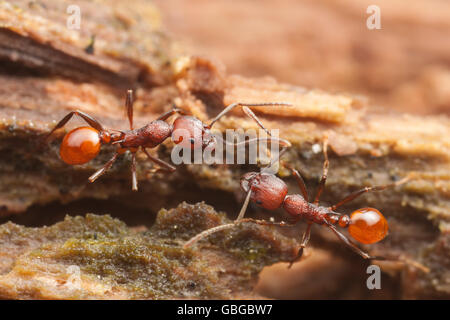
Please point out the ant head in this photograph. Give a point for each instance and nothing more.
(81, 145)
(189, 132)
(367, 225)
(268, 191)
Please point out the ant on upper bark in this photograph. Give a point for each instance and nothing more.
(83, 144)
(366, 225)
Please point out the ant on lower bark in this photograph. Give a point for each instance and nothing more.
(83, 144)
(365, 225)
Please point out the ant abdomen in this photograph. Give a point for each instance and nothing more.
(268, 191)
(80, 145)
(367, 225)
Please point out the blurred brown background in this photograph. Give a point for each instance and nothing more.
(326, 44)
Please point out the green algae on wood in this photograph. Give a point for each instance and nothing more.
(98, 257)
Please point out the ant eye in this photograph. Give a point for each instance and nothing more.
(80, 145)
(367, 225)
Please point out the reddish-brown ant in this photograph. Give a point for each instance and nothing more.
(366, 225)
(83, 144)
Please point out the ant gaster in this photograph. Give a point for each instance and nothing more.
(83, 144)
(365, 225)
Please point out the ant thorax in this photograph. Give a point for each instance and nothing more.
(296, 206)
(150, 135)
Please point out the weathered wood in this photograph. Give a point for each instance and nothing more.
(369, 146)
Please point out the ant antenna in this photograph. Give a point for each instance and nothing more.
(357, 193)
(276, 161)
(245, 205)
(210, 231)
(248, 112)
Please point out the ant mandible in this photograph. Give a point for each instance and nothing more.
(365, 225)
(83, 144)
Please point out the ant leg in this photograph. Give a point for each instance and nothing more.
(326, 164)
(250, 114)
(212, 230)
(170, 113)
(300, 181)
(134, 186)
(245, 205)
(350, 244)
(305, 240)
(301, 184)
(105, 168)
(160, 162)
(356, 194)
(90, 120)
(365, 255)
(129, 105)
